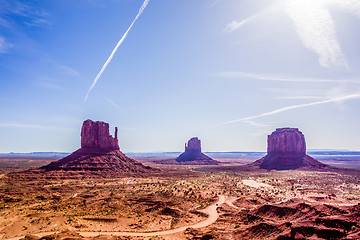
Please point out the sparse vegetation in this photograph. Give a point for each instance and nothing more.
(161, 203)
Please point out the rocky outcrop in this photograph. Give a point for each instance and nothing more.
(287, 150)
(109, 163)
(95, 135)
(286, 140)
(100, 154)
(194, 144)
(193, 154)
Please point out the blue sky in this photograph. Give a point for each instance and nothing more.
(226, 71)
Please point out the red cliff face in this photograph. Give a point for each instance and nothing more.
(100, 155)
(287, 150)
(95, 135)
(194, 144)
(286, 140)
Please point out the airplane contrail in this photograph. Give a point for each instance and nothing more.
(336, 99)
(115, 49)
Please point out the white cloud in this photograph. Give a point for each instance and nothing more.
(230, 27)
(234, 25)
(349, 6)
(314, 25)
(316, 28)
(337, 91)
(4, 45)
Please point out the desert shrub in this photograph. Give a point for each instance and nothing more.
(170, 212)
(207, 237)
(30, 237)
(100, 219)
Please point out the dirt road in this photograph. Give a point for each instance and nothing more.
(210, 210)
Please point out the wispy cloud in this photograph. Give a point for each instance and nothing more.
(284, 109)
(25, 14)
(270, 77)
(25, 125)
(49, 84)
(64, 69)
(36, 22)
(255, 124)
(230, 27)
(4, 45)
(114, 105)
(61, 68)
(216, 3)
(115, 49)
(234, 25)
(67, 70)
(14, 15)
(316, 29)
(301, 97)
(261, 132)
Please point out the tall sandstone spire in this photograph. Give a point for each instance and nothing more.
(95, 135)
(193, 154)
(100, 153)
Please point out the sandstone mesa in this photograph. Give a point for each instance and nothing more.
(286, 151)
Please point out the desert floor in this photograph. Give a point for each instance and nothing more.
(213, 203)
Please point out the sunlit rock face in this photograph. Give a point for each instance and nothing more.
(287, 150)
(99, 153)
(286, 140)
(193, 154)
(95, 135)
(194, 144)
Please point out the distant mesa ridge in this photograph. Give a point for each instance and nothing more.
(287, 150)
(193, 154)
(99, 152)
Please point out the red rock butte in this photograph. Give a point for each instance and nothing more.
(194, 144)
(287, 150)
(286, 140)
(99, 152)
(95, 135)
(193, 154)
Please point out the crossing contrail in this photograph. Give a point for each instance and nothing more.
(115, 49)
(335, 99)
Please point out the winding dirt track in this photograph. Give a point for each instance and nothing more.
(210, 210)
